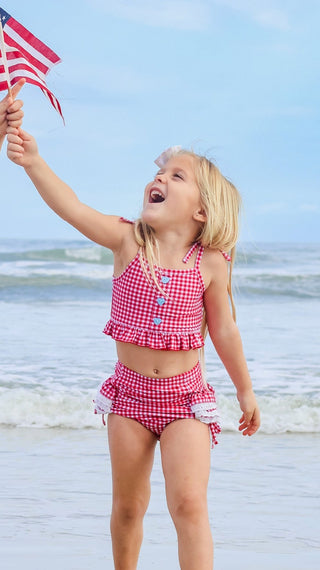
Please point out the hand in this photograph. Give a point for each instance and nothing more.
(22, 147)
(11, 113)
(250, 419)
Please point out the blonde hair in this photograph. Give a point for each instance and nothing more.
(220, 201)
(221, 204)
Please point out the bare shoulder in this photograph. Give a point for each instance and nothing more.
(128, 246)
(104, 229)
(116, 232)
(216, 298)
(214, 267)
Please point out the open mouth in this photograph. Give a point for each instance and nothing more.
(156, 196)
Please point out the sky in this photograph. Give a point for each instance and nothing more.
(237, 80)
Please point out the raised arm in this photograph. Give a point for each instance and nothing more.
(226, 338)
(100, 228)
(11, 113)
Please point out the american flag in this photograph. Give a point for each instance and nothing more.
(27, 57)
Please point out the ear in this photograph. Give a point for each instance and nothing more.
(199, 216)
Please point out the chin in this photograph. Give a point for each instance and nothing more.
(148, 217)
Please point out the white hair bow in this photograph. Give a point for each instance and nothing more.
(166, 155)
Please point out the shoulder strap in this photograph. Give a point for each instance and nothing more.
(199, 257)
(225, 255)
(126, 221)
(190, 252)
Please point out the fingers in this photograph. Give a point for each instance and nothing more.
(21, 133)
(249, 422)
(15, 106)
(15, 151)
(10, 97)
(16, 88)
(17, 136)
(15, 145)
(13, 131)
(15, 114)
(22, 148)
(14, 138)
(11, 109)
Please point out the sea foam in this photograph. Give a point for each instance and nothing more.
(73, 409)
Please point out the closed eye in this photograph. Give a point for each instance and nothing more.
(177, 175)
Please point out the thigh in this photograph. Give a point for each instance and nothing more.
(185, 455)
(132, 452)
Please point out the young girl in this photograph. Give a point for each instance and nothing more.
(171, 277)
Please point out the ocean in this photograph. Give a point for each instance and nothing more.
(55, 474)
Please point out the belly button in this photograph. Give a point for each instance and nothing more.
(156, 371)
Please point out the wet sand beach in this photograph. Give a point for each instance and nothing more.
(56, 498)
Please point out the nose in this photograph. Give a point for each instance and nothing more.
(160, 177)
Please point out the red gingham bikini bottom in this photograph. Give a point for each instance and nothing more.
(156, 402)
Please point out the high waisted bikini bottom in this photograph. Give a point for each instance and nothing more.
(156, 402)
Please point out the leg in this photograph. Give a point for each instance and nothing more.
(132, 450)
(185, 453)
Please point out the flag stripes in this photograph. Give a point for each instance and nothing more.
(27, 57)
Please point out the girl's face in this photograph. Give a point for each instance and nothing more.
(173, 197)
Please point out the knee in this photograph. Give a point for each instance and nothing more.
(128, 511)
(191, 507)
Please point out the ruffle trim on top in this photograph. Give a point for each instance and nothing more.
(156, 340)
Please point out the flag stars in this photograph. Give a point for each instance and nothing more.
(4, 16)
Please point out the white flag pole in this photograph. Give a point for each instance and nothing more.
(4, 58)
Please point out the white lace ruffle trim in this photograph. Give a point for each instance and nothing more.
(103, 405)
(206, 412)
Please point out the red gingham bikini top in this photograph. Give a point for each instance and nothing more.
(141, 314)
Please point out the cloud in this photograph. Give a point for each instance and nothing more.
(268, 13)
(178, 14)
(192, 14)
(313, 208)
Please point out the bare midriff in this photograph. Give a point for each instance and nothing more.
(156, 363)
